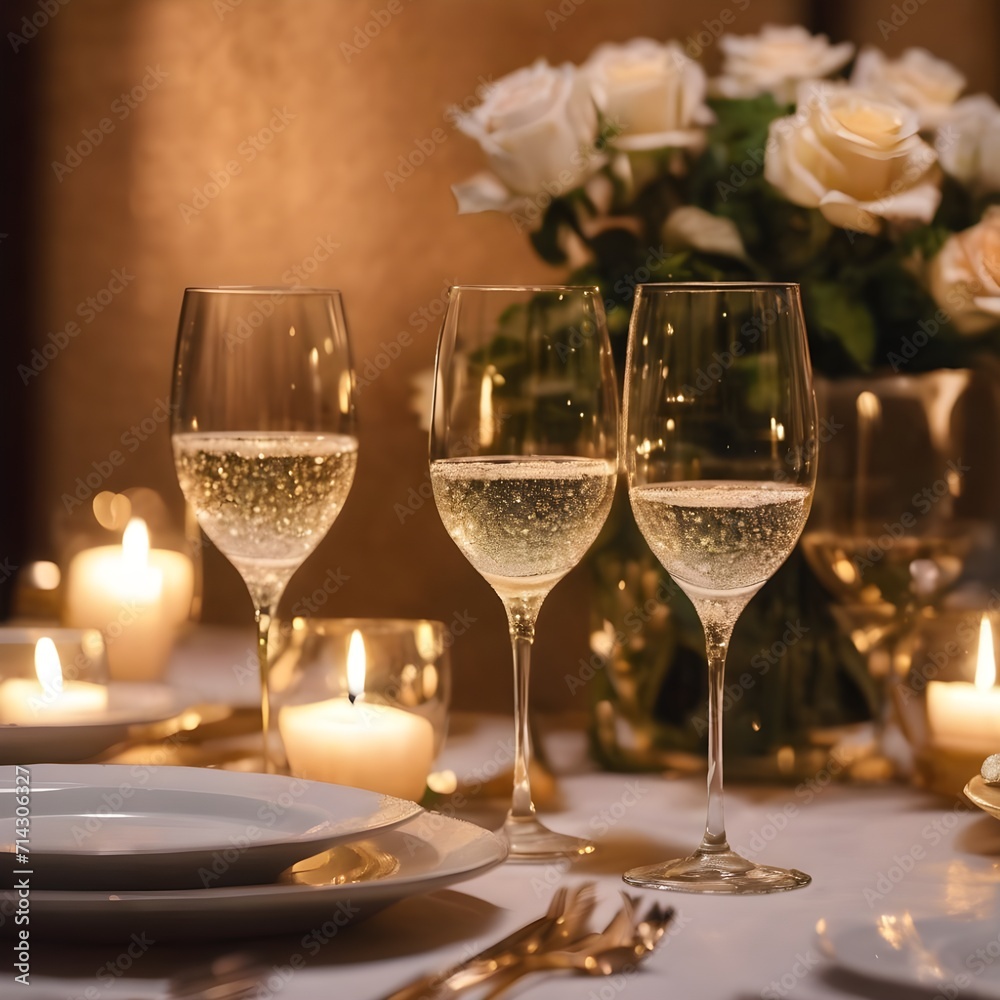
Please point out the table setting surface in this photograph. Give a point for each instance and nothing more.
(875, 853)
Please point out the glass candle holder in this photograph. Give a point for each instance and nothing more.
(129, 573)
(50, 676)
(363, 701)
(947, 697)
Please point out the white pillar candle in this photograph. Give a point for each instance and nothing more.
(49, 699)
(355, 743)
(135, 596)
(963, 716)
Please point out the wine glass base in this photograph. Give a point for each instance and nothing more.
(724, 872)
(529, 840)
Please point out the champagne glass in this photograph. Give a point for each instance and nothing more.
(524, 458)
(897, 520)
(263, 434)
(720, 453)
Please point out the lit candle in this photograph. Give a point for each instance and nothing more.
(349, 741)
(50, 699)
(136, 596)
(963, 716)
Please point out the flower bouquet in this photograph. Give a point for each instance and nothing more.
(870, 181)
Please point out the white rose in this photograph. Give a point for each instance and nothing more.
(965, 275)
(928, 85)
(690, 226)
(537, 127)
(968, 142)
(776, 61)
(856, 157)
(653, 95)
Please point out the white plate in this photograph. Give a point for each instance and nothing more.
(121, 826)
(349, 882)
(129, 704)
(936, 954)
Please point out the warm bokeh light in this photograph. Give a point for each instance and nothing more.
(986, 666)
(47, 667)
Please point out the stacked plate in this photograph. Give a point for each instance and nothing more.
(189, 852)
(942, 956)
(130, 707)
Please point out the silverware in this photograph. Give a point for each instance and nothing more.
(618, 948)
(562, 923)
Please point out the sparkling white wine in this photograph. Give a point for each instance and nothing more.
(719, 536)
(886, 570)
(523, 522)
(265, 499)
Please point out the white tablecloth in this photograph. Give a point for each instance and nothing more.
(868, 850)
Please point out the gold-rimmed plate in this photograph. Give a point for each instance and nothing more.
(344, 884)
(121, 826)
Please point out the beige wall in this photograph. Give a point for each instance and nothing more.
(225, 66)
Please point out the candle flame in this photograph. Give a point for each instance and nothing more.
(356, 665)
(986, 665)
(47, 667)
(486, 409)
(135, 545)
(869, 406)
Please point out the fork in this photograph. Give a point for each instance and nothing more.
(618, 948)
(561, 924)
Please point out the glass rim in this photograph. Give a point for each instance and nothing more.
(714, 286)
(524, 288)
(260, 290)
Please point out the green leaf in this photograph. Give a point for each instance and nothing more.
(545, 239)
(834, 312)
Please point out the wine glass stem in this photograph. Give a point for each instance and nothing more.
(262, 616)
(714, 840)
(522, 634)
